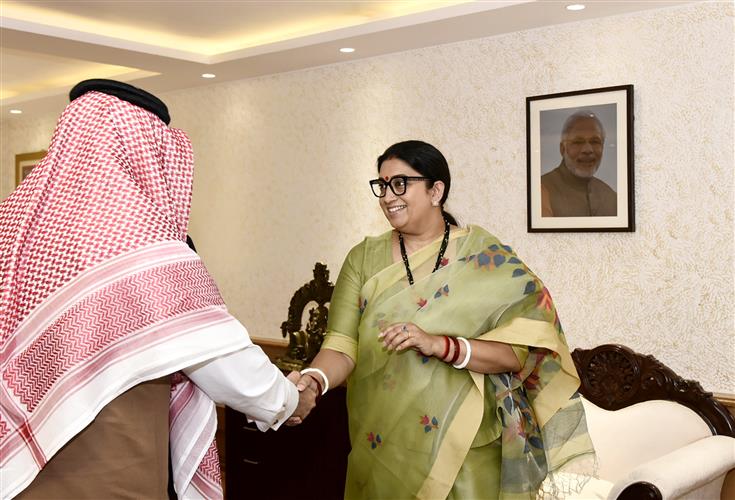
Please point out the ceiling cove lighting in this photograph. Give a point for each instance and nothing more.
(575, 6)
(346, 50)
(16, 111)
(208, 75)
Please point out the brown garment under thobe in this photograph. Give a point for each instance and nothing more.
(570, 196)
(122, 454)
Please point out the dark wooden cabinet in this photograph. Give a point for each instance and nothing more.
(308, 461)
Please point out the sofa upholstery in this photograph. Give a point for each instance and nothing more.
(656, 435)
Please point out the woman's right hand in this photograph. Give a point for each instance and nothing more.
(335, 365)
(308, 392)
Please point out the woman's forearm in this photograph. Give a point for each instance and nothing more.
(486, 356)
(336, 366)
(489, 357)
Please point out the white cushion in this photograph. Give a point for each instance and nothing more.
(628, 437)
(695, 471)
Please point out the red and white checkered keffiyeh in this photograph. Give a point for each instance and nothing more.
(100, 293)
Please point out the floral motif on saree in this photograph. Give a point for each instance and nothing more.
(484, 292)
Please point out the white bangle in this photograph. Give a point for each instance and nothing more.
(467, 356)
(324, 377)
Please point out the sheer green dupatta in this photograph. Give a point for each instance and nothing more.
(414, 419)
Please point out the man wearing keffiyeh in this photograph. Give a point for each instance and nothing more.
(115, 341)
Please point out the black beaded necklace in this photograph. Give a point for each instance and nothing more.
(442, 249)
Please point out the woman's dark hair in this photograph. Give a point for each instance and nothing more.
(426, 160)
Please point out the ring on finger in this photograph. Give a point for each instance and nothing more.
(404, 328)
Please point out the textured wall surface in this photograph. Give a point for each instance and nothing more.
(283, 163)
(22, 136)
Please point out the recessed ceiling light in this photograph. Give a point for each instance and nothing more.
(575, 6)
(15, 111)
(208, 75)
(346, 50)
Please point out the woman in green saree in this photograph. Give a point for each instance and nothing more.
(460, 382)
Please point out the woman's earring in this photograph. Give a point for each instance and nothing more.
(435, 203)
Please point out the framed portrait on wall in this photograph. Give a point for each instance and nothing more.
(579, 148)
(25, 162)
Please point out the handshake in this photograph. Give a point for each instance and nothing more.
(310, 390)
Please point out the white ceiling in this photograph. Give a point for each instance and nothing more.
(48, 46)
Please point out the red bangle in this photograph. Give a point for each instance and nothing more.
(446, 348)
(456, 350)
(319, 388)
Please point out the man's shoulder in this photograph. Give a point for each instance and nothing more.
(601, 186)
(551, 175)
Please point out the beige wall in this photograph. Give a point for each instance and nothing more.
(283, 163)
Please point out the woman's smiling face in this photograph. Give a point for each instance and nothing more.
(412, 207)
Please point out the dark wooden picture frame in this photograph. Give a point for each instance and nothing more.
(579, 148)
(25, 162)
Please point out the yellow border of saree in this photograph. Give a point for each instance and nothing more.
(486, 285)
(458, 438)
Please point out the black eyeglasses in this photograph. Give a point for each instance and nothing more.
(397, 183)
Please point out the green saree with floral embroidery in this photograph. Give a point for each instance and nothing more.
(420, 428)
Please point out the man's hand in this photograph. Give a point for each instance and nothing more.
(308, 393)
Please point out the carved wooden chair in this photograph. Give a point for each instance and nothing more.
(657, 436)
